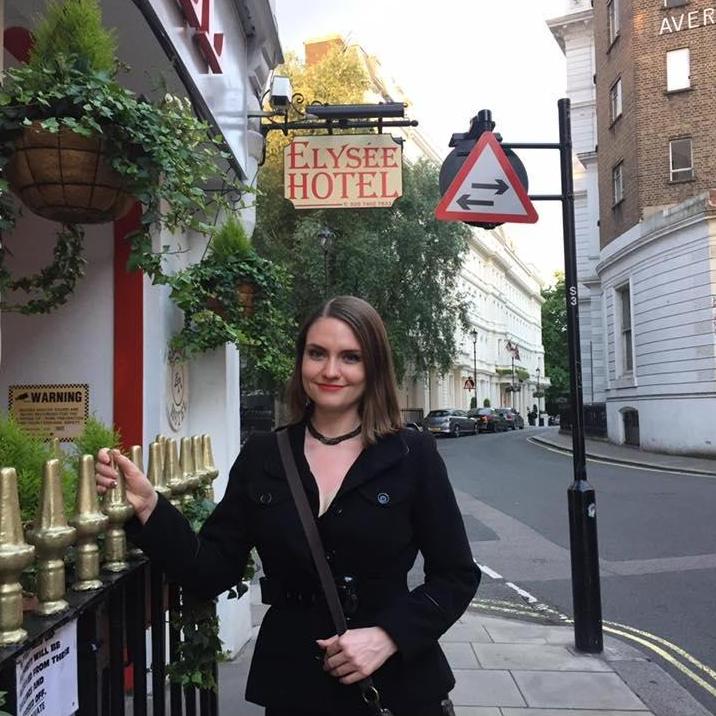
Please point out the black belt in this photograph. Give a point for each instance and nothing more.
(353, 592)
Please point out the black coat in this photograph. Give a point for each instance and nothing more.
(395, 500)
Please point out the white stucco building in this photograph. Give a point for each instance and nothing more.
(112, 335)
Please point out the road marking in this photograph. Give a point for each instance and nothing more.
(522, 592)
(644, 638)
(667, 471)
(489, 572)
(664, 655)
(677, 649)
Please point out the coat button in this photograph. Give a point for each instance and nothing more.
(265, 498)
(383, 498)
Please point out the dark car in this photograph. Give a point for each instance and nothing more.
(513, 418)
(488, 420)
(449, 421)
(410, 425)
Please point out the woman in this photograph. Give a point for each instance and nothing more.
(379, 493)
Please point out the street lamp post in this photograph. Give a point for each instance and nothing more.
(473, 335)
(540, 422)
(513, 381)
(325, 236)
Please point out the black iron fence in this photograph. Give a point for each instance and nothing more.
(595, 420)
(412, 415)
(112, 660)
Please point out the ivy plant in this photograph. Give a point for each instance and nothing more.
(165, 155)
(201, 646)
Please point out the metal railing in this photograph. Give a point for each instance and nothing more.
(97, 619)
(412, 415)
(595, 420)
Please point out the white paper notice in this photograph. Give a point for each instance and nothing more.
(47, 675)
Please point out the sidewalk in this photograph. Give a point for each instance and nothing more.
(624, 455)
(505, 667)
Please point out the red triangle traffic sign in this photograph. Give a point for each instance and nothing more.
(486, 189)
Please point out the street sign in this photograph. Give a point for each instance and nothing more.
(486, 189)
(469, 384)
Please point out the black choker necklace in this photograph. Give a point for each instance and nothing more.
(331, 441)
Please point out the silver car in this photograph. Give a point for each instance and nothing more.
(450, 421)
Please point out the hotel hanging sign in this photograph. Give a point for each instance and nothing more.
(349, 171)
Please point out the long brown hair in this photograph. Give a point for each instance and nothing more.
(379, 410)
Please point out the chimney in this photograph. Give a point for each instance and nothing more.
(315, 50)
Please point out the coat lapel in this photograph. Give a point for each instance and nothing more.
(374, 460)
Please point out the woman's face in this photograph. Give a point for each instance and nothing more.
(332, 370)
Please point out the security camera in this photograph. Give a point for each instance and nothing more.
(281, 93)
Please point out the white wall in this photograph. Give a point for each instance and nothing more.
(75, 343)
(669, 261)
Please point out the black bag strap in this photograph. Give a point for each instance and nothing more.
(328, 584)
(325, 575)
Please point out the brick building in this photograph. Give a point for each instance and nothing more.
(647, 261)
(656, 99)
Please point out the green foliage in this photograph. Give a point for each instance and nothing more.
(200, 646)
(54, 284)
(554, 338)
(400, 259)
(503, 371)
(230, 241)
(96, 435)
(3, 702)
(73, 28)
(486, 403)
(207, 292)
(197, 511)
(164, 154)
(28, 454)
(473, 402)
(522, 374)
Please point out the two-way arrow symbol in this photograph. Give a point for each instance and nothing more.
(466, 200)
(499, 186)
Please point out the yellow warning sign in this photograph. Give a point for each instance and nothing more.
(50, 411)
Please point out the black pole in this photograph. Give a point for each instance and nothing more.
(158, 640)
(513, 381)
(175, 690)
(115, 607)
(580, 495)
(474, 366)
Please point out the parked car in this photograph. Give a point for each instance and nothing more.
(413, 426)
(449, 421)
(488, 420)
(553, 420)
(513, 418)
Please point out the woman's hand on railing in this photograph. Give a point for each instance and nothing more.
(140, 492)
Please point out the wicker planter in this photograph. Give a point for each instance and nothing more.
(64, 177)
(244, 297)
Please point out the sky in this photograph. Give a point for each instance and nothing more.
(452, 58)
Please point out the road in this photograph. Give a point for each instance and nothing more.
(657, 546)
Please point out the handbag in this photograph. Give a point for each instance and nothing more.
(368, 691)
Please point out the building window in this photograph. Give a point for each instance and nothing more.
(613, 19)
(618, 183)
(681, 159)
(627, 355)
(678, 69)
(615, 100)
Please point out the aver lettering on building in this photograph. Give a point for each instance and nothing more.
(346, 171)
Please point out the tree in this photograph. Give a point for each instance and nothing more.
(554, 338)
(400, 259)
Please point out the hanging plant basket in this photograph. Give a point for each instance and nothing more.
(244, 297)
(64, 177)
